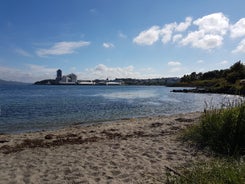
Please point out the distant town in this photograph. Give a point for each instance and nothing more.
(71, 79)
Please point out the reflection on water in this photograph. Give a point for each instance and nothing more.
(129, 95)
(30, 107)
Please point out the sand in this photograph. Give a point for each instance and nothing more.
(126, 151)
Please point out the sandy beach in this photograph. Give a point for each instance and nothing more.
(126, 151)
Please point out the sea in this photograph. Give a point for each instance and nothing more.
(28, 108)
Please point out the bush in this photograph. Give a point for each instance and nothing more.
(221, 130)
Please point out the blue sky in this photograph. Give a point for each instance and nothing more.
(112, 38)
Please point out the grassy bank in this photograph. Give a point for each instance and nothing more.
(221, 131)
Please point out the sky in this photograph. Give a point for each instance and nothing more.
(99, 39)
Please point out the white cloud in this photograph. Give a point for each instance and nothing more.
(177, 37)
(209, 41)
(175, 69)
(238, 29)
(22, 52)
(198, 39)
(102, 71)
(184, 25)
(108, 45)
(37, 70)
(148, 37)
(169, 29)
(224, 62)
(152, 35)
(12, 74)
(62, 48)
(240, 48)
(167, 32)
(216, 23)
(192, 37)
(32, 73)
(200, 61)
(210, 33)
(174, 63)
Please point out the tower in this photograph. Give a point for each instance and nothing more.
(59, 75)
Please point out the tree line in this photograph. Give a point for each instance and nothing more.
(218, 81)
(231, 75)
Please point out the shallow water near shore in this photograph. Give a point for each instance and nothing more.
(26, 108)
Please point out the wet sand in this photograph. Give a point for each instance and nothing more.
(126, 151)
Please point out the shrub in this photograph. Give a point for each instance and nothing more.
(222, 130)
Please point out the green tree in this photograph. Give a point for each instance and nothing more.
(236, 72)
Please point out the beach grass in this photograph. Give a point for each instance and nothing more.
(215, 172)
(222, 132)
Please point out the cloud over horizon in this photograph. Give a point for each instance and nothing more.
(30, 74)
(102, 71)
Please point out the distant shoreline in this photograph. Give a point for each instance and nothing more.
(118, 81)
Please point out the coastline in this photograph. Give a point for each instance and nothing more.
(206, 91)
(136, 150)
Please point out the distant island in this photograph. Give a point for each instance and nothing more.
(71, 79)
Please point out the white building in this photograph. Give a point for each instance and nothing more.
(86, 82)
(68, 79)
(73, 77)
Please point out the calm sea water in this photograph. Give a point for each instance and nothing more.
(31, 107)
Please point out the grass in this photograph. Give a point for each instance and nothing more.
(215, 172)
(223, 132)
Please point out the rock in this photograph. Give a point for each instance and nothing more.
(3, 141)
(49, 136)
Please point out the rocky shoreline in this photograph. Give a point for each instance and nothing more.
(195, 90)
(207, 90)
